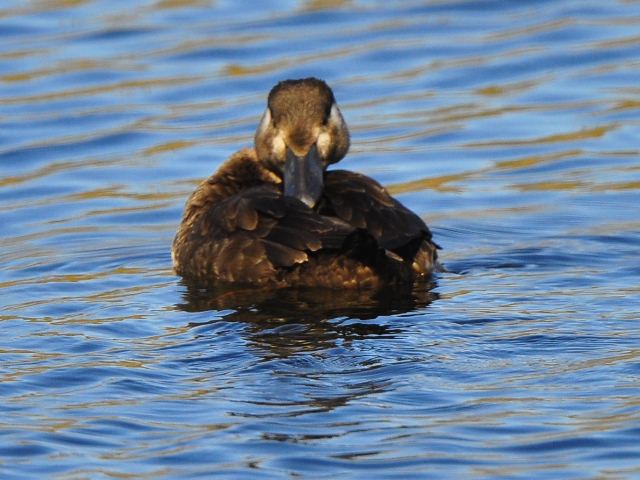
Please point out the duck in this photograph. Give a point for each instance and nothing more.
(274, 216)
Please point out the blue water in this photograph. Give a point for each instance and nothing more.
(512, 128)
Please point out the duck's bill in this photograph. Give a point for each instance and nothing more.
(303, 176)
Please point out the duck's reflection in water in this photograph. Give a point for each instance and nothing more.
(286, 321)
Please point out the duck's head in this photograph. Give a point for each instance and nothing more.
(301, 132)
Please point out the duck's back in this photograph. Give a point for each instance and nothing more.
(365, 204)
(253, 237)
(357, 237)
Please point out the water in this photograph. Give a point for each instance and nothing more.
(511, 127)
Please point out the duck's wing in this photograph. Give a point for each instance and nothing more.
(249, 236)
(365, 204)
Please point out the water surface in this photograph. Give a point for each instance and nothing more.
(512, 128)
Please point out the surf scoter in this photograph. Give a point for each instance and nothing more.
(273, 216)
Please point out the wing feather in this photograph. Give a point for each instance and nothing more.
(364, 203)
(248, 236)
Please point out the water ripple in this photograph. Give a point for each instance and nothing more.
(511, 127)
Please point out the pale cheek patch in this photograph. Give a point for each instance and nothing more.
(325, 139)
(336, 123)
(323, 143)
(278, 147)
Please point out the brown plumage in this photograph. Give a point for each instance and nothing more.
(273, 216)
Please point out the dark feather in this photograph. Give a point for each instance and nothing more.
(282, 256)
(363, 202)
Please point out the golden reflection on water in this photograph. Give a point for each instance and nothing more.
(115, 87)
(180, 3)
(443, 183)
(582, 134)
(62, 68)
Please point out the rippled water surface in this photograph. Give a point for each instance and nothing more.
(513, 128)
